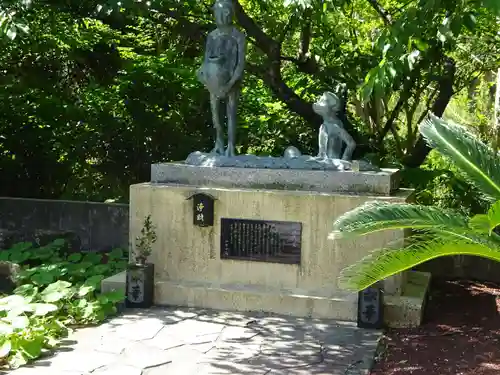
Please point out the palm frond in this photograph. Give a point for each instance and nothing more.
(478, 161)
(387, 262)
(378, 216)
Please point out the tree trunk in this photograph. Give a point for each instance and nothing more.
(421, 149)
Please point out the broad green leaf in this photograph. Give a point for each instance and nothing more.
(58, 286)
(85, 289)
(19, 257)
(115, 297)
(116, 254)
(31, 348)
(12, 301)
(42, 309)
(76, 257)
(6, 328)
(20, 322)
(21, 247)
(94, 281)
(54, 296)
(5, 348)
(42, 278)
(29, 291)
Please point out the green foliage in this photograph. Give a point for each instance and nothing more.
(440, 232)
(56, 290)
(96, 91)
(144, 242)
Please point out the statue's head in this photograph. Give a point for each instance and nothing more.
(328, 104)
(223, 11)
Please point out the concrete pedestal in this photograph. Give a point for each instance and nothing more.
(189, 270)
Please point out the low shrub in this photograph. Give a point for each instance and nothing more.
(55, 291)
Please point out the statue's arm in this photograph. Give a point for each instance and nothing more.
(240, 66)
(242, 51)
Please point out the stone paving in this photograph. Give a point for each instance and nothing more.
(180, 341)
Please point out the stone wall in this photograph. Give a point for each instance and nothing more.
(98, 226)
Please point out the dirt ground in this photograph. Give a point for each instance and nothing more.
(460, 334)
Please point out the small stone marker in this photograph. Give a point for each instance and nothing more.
(261, 240)
(371, 308)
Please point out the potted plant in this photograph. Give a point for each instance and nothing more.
(140, 274)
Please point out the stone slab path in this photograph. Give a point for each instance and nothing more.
(181, 341)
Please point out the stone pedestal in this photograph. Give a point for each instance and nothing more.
(189, 269)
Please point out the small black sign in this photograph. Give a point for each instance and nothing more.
(371, 308)
(261, 240)
(203, 209)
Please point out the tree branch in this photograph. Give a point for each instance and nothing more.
(445, 87)
(386, 17)
(305, 36)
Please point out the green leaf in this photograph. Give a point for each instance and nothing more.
(5, 348)
(54, 296)
(378, 216)
(42, 309)
(494, 216)
(20, 322)
(421, 45)
(94, 281)
(31, 348)
(116, 254)
(12, 301)
(478, 161)
(387, 262)
(85, 289)
(42, 278)
(93, 258)
(115, 296)
(469, 21)
(59, 285)
(19, 257)
(12, 32)
(21, 247)
(56, 291)
(480, 223)
(75, 257)
(27, 290)
(6, 328)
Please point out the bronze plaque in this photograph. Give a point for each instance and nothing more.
(261, 240)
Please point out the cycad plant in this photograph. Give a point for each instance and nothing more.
(440, 232)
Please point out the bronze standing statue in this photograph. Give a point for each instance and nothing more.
(222, 72)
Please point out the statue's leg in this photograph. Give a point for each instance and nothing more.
(219, 140)
(336, 148)
(322, 142)
(232, 106)
(349, 142)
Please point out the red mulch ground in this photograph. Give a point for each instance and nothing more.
(460, 334)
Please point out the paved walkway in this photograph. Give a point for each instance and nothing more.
(197, 342)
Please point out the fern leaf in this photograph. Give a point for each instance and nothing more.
(378, 216)
(478, 161)
(387, 262)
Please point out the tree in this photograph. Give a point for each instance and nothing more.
(402, 57)
(440, 232)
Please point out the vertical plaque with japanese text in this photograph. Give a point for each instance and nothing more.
(261, 240)
(371, 308)
(203, 210)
